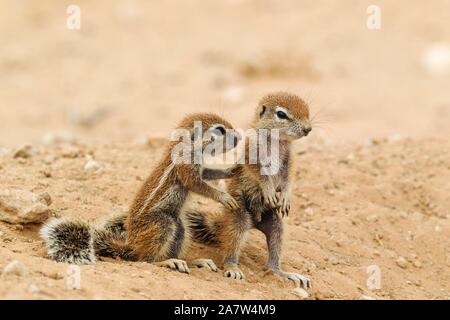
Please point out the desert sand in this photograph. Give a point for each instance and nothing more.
(371, 182)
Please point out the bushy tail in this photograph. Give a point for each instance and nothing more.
(78, 242)
(69, 241)
(202, 229)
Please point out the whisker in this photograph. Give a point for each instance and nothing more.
(321, 112)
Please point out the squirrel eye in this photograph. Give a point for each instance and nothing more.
(219, 131)
(281, 115)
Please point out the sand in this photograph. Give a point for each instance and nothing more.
(371, 187)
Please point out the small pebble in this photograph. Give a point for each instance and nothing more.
(23, 152)
(15, 267)
(92, 165)
(301, 293)
(53, 275)
(372, 218)
(71, 152)
(309, 211)
(401, 262)
(46, 198)
(46, 173)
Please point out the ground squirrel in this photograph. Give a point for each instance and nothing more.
(154, 229)
(260, 204)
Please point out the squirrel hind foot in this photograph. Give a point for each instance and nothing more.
(205, 263)
(69, 241)
(233, 272)
(298, 279)
(175, 264)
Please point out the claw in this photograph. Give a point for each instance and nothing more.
(175, 264)
(284, 205)
(229, 202)
(205, 263)
(234, 273)
(270, 198)
(298, 279)
(234, 204)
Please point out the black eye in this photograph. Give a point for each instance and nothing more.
(219, 131)
(281, 115)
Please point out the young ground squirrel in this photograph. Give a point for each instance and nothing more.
(154, 229)
(260, 205)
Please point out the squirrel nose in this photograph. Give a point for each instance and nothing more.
(307, 130)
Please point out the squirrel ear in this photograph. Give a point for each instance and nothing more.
(263, 109)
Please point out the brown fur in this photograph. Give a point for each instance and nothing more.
(295, 104)
(253, 190)
(155, 227)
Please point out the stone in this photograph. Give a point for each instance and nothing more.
(301, 293)
(16, 268)
(401, 262)
(71, 152)
(372, 218)
(92, 165)
(46, 173)
(45, 197)
(20, 206)
(53, 275)
(309, 211)
(23, 152)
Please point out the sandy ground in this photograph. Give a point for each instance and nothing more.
(352, 208)
(372, 180)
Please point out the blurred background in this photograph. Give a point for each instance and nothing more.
(136, 67)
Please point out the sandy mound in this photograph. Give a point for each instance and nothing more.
(382, 204)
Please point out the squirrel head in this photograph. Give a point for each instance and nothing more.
(285, 112)
(210, 128)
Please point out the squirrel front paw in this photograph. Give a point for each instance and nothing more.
(284, 205)
(270, 198)
(228, 201)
